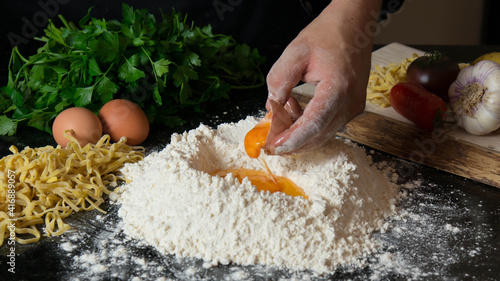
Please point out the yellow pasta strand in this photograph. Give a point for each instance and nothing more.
(382, 78)
(47, 184)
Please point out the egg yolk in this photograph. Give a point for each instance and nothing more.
(255, 139)
(264, 182)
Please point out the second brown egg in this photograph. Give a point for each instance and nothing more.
(123, 118)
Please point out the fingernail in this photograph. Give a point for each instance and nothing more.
(282, 149)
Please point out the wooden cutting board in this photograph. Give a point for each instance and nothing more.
(457, 152)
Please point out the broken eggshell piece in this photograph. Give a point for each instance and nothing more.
(282, 118)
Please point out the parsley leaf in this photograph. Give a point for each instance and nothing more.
(106, 89)
(7, 126)
(128, 73)
(183, 74)
(94, 69)
(83, 96)
(161, 66)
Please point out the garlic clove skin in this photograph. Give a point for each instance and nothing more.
(483, 123)
(475, 98)
(491, 97)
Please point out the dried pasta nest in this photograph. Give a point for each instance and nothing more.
(45, 185)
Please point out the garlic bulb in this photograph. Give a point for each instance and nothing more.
(475, 98)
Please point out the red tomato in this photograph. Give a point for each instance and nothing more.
(434, 72)
(415, 103)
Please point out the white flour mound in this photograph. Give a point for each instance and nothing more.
(174, 204)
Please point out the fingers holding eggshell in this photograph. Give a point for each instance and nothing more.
(282, 119)
(293, 108)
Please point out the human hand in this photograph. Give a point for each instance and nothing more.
(328, 54)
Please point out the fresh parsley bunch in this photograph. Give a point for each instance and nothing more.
(164, 66)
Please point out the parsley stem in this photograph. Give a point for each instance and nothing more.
(65, 22)
(15, 51)
(41, 39)
(104, 74)
(152, 63)
(223, 68)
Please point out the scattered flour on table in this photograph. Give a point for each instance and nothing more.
(175, 205)
(426, 237)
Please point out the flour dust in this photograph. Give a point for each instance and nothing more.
(173, 221)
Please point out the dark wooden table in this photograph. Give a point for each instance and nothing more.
(445, 200)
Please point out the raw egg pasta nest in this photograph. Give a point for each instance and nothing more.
(382, 78)
(51, 183)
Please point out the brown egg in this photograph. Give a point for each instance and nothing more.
(86, 126)
(123, 118)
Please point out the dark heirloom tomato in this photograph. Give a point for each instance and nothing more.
(434, 72)
(415, 103)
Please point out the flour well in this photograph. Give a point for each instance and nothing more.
(173, 204)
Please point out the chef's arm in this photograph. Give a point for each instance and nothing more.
(334, 53)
